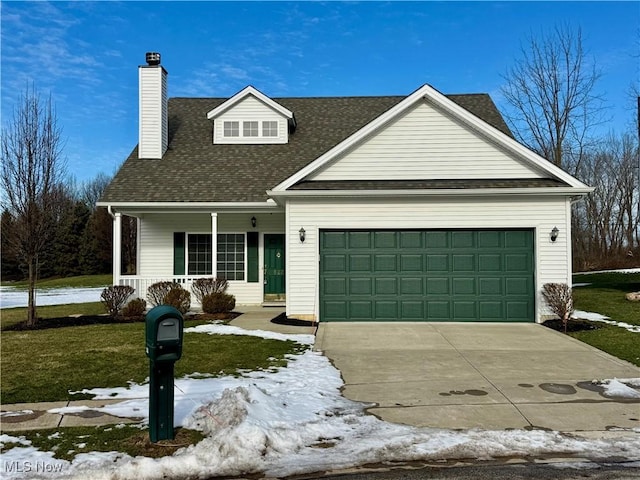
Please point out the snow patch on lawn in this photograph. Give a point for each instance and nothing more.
(596, 317)
(11, 297)
(623, 270)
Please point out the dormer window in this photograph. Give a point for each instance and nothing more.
(250, 117)
(250, 129)
(269, 129)
(231, 129)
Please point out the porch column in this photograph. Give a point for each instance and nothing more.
(117, 248)
(214, 244)
(138, 228)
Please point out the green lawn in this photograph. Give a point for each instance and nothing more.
(606, 295)
(10, 316)
(44, 365)
(79, 281)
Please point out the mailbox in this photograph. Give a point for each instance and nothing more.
(164, 332)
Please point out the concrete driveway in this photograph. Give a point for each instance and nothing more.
(470, 375)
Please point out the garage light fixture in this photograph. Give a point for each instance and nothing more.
(253, 222)
(554, 234)
(302, 233)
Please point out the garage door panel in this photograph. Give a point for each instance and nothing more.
(438, 286)
(462, 239)
(490, 286)
(411, 286)
(411, 263)
(386, 310)
(463, 262)
(385, 263)
(412, 310)
(385, 240)
(360, 263)
(438, 310)
(434, 275)
(464, 286)
(359, 240)
(489, 262)
(413, 240)
(360, 286)
(437, 263)
(335, 286)
(386, 286)
(464, 310)
(360, 310)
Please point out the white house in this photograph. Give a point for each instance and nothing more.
(419, 207)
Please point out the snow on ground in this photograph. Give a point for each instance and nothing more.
(596, 317)
(11, 297)
(621, 387)
(221, 329)
(289, 421)
(623, 270)
(575, 285)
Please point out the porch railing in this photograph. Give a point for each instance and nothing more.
(142, 283)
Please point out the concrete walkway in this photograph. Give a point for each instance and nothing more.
(490, 376)
(34, 416)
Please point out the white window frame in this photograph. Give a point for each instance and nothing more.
(244, 240)
(231, 129)
(269, 128)
(249, 127)
(245, 261)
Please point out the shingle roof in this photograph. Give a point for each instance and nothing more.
(195, 170)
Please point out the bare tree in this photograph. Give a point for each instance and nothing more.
(552, 91)
(31, 176)
(91, 190)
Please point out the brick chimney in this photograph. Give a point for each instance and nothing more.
(153, 125)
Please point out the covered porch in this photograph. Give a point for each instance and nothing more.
(246, 247)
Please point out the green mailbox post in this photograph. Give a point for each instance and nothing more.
(164, 330)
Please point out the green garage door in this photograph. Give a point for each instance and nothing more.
(427, 275)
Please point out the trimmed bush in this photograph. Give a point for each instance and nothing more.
(157, 292)
(115, 296)
(135, 308)
(218, 303)
(206, 286)
(559, 298)
(178, 298)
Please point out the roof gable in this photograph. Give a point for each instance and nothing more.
(448, 107)
(242, 95)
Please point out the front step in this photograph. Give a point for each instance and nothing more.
(274, 304)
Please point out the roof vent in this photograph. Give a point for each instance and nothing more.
(153, 58)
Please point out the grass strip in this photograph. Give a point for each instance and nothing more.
(132, 439)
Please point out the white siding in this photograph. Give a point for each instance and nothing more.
(156, 244)
(541, 214)
(153, 127)
(425, 143)
(250, 109)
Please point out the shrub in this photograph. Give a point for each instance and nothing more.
(135, 308)
(206, 286)
(218, 303)
(559, 298)
(157, 292)
(115, 296)
(178, 298)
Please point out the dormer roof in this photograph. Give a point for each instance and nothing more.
(241, 95)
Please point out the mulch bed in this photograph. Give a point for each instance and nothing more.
(81, 320)
(283, 320)
(572, 326)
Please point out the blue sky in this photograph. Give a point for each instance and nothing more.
(86, 55)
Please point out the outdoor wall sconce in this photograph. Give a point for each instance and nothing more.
(303, 234)
(253, 222)
(554, 234)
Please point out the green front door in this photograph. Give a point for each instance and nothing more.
(274, 262)
(427, 275)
